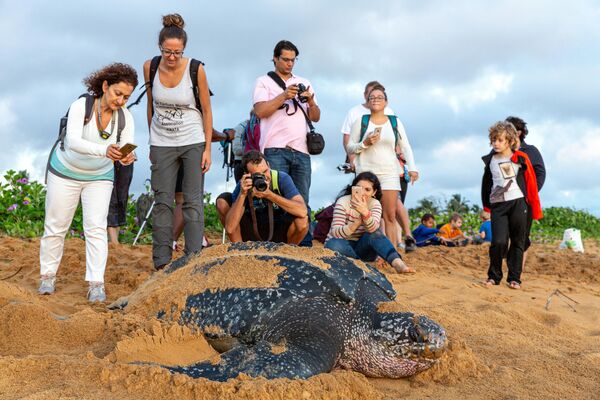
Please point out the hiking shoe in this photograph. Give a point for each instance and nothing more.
(47, 284)
(410, 244)
(96, 292)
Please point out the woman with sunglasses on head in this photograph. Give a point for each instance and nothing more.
(180, 136)
(355, 229)
(374, 141)
(84, 170)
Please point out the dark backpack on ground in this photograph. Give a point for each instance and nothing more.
(364, 124)
(324, 219)
(89, 112)
(194, 65)
(251, 136)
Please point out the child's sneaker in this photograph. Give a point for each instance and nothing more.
(47, 284)
(96, 292)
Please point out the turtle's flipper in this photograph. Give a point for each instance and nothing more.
(263, 359)
(303, 338)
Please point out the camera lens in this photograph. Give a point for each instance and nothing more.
(258, 182)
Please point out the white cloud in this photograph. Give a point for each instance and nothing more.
(8, 117)
(483, 89)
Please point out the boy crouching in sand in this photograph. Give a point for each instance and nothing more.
(508, 185)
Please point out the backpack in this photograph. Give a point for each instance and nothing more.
(364, 124)
(142, 206)
(324, 219)
(194, 65)
(89, 111)
(251, 135)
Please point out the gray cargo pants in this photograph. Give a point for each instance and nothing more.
(165, 164)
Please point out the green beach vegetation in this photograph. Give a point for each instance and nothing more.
(22, 214)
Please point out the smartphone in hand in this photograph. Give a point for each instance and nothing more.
(377, 131)
(126, 149)
(357, 192)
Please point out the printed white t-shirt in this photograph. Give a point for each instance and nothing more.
(504, 177)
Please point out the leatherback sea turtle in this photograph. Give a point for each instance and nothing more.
(284, 311)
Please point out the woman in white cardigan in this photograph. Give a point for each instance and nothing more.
(375, 149)
(84, 170)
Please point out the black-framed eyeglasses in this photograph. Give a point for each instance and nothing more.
(288, 60)
(376, 98)
(169, 53)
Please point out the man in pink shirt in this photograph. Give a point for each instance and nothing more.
(283, 127)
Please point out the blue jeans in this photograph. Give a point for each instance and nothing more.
(297, 165)
(367, 248)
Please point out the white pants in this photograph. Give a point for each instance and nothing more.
(62, 198)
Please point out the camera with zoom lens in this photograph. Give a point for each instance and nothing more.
(302, 89)
(259, 182)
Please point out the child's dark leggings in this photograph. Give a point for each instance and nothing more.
(509, 221)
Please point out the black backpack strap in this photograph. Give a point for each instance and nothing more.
(148, 85)
(194, 65)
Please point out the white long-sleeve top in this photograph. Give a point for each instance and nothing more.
(84, 157)
(380, 158)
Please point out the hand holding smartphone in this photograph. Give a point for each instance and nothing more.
(126, 149)
(357, 193)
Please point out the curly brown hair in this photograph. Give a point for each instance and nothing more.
(504, 128)
(113, 73)
(172, 29)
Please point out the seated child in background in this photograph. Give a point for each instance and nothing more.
(485, 229)
(426, 233)
(451, 232)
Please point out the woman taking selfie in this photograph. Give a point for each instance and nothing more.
(180, 136)
(355, 230)
(84, 170)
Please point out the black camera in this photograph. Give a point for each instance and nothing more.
(259, 182)
(302, 89)
(346, 168)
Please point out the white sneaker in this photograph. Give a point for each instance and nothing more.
(47, 284)
(96, 292)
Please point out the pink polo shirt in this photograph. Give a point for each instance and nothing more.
(281, 130)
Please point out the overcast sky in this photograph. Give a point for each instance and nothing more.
(451, 70)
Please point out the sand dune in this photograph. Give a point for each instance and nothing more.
(504, 344)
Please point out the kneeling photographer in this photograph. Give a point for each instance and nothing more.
(266, 205)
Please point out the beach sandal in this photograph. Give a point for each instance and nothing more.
(514, 285)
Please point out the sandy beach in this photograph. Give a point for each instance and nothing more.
(504, 344)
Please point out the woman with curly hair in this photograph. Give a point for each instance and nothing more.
(84, 171)
(355, 229)
(180, 136)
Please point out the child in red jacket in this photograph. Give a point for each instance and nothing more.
(508, 186)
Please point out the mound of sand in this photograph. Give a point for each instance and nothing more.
(504, 344)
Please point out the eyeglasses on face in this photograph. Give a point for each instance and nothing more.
(169, 53)
(288, 60)
(376, 98)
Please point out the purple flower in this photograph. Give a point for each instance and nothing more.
(26, 201)
(12, 208)
(23, 181)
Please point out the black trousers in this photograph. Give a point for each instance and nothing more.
(509, 222)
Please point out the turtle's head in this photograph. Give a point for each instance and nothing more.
(402, 344)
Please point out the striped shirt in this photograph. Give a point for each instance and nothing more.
(344, 216)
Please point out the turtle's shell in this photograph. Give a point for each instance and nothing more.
(244, 280)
